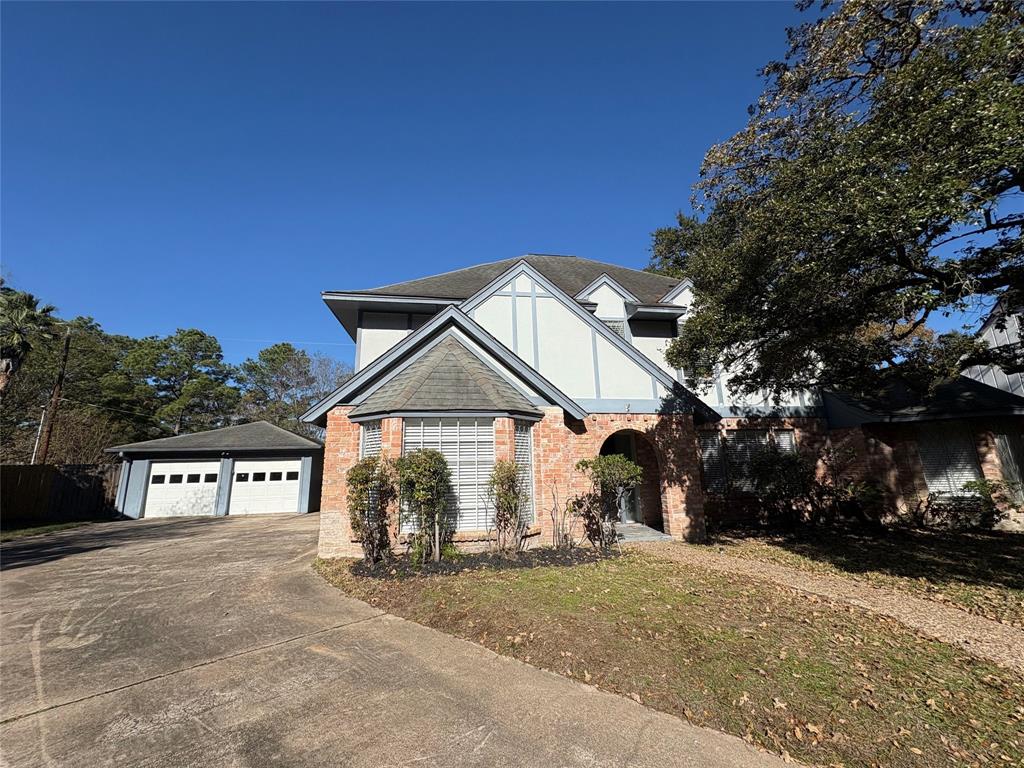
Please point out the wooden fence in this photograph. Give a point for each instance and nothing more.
(39, 494)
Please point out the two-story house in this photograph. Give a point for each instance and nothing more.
(551, 359)
(545, 359)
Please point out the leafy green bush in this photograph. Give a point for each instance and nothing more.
(610, 478)
(371, 489)
(790, 490)
(424, 481)
(510, 498)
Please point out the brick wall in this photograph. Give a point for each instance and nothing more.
(670, 494)
(341, 451)
(666, 447)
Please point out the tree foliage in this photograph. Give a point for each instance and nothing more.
(876, 186)
(118, 389)
(283, 382)
(23, 323)
(190, 380)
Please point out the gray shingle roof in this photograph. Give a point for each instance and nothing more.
(570, 273)
(960, 397)
(256, 436)
(448, 377)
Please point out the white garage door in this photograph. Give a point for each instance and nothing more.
(178, 488)
(261, 487)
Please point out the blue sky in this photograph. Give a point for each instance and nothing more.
(218, 165)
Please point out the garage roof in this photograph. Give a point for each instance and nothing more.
(256, 436)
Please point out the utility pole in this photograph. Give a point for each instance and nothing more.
(51, 408)
(39, 431)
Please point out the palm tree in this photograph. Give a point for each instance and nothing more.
(22, 321)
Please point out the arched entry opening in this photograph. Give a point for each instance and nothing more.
(643, 503)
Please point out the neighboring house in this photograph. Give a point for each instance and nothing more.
(548, 360)
(1006, 337)
(248, 469)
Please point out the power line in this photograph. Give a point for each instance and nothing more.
(287, 341)
(108, 408)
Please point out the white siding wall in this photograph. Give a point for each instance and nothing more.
(565, 344)
(380, 331)
(609, 302)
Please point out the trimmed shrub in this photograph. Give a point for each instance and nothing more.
(510, 498)
(424, 481)
(371, 489)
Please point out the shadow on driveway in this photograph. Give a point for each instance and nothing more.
(44, 548)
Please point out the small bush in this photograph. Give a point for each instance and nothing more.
(610, 478)
(510, 499)
(371, 489)
(424, 481)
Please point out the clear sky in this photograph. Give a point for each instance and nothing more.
(218, 165)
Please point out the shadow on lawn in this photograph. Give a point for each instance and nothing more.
(989, 558)
(401, 567)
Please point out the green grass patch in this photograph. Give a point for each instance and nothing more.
(14, 534)
(824, 683)
(982, 573)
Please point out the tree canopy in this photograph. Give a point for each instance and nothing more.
(876, 187)
(119, 389)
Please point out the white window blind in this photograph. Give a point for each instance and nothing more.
(524, 460)
(948, 457)
(713, 457)
(742, 446)
(468, 447)
(370, 443)
(785, 440)
(1010, 450)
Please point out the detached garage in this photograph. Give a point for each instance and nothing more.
(251, 469)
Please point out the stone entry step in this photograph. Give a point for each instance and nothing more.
(629, 532)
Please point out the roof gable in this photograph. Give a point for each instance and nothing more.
(447, 318)
(601, 329)
(448, 377)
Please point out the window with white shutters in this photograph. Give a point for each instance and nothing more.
(948, 457)
(524, 460)
(467, 444)
(370, 445)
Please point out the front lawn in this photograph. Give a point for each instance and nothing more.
(822, 683)
(980, 572)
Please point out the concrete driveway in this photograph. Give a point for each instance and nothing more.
(211, 642)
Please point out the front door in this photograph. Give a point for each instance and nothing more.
(624, 444)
